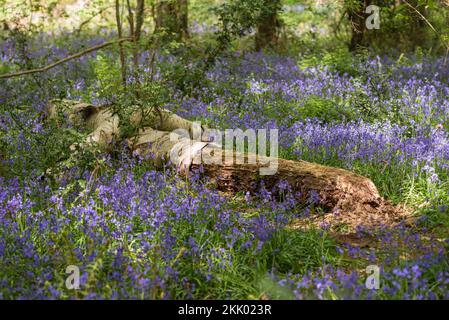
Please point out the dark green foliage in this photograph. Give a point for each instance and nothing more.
(297, 252)
(323, 109)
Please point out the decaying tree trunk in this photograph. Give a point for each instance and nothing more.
(339, 190)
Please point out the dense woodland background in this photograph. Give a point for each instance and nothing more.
(370, 101)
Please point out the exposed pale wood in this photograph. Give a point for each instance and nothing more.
(339, 190)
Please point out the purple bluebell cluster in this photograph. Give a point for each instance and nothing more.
(406, 262)
(139, 233)
(133, 236)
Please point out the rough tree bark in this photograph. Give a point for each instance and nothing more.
(171, 16)
(357, 17)
(339, 190)
(268, 26)
(120, 35)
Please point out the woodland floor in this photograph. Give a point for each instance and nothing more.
(137, 231)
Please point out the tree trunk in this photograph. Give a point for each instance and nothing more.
(357, 18)
(171, 16)
(268, 26)
(118, 19)
(339, 190)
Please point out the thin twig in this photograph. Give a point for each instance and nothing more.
(85, 22)
(428, 23)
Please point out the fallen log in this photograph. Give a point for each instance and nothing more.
(339, 191)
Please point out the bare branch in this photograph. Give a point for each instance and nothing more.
(57, 63)
(429, 24)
